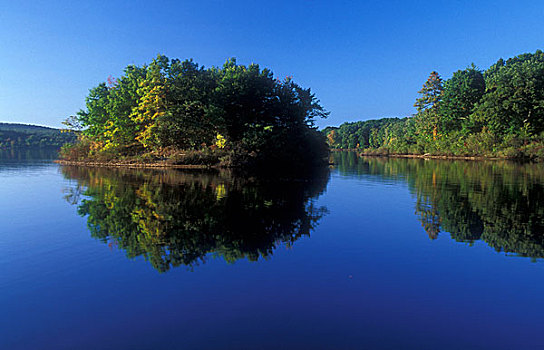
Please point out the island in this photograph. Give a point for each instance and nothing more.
(179, 114)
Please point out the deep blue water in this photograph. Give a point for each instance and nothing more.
(372, 253)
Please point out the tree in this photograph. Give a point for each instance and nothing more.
(152, 103)
(428, 105)
(514, 98)
(461, 93)
(190, 119)
(331, 134)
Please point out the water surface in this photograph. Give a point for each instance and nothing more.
(373, 253)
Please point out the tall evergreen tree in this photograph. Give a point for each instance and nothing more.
(428, 104)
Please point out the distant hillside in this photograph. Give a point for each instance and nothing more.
(14, 135)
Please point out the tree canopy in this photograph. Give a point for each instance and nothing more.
(170, 105)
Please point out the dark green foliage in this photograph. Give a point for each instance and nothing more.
(514, 97)
(14, 136)
(395, 133)
(190, 118)
(461, 93)
(190, 157)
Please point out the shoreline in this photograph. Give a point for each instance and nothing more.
(166, 165)
(429, 156)
(434, 156)
(155, 165)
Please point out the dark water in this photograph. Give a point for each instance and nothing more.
(373, 253)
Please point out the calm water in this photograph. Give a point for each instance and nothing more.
(372, 253)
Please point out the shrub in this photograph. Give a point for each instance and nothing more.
(75, 151)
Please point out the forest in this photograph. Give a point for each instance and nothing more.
(498, 112)
(180, 113)
(22, 136)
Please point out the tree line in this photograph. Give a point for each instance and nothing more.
(22, 136)
(493, 112)
(183, 112)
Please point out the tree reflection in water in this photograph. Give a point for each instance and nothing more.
(499, 202)
(175, 218)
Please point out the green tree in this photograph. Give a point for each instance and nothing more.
(514, 98)
(461, 93)
(428, 104)
(190, 119)
(151, 107)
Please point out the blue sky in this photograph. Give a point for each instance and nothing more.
(363, 59)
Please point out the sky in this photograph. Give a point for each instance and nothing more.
(362, 59)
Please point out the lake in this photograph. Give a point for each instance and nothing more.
(370, 253)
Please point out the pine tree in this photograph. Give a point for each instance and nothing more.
(428, 104)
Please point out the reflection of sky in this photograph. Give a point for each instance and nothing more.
(368, 275)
